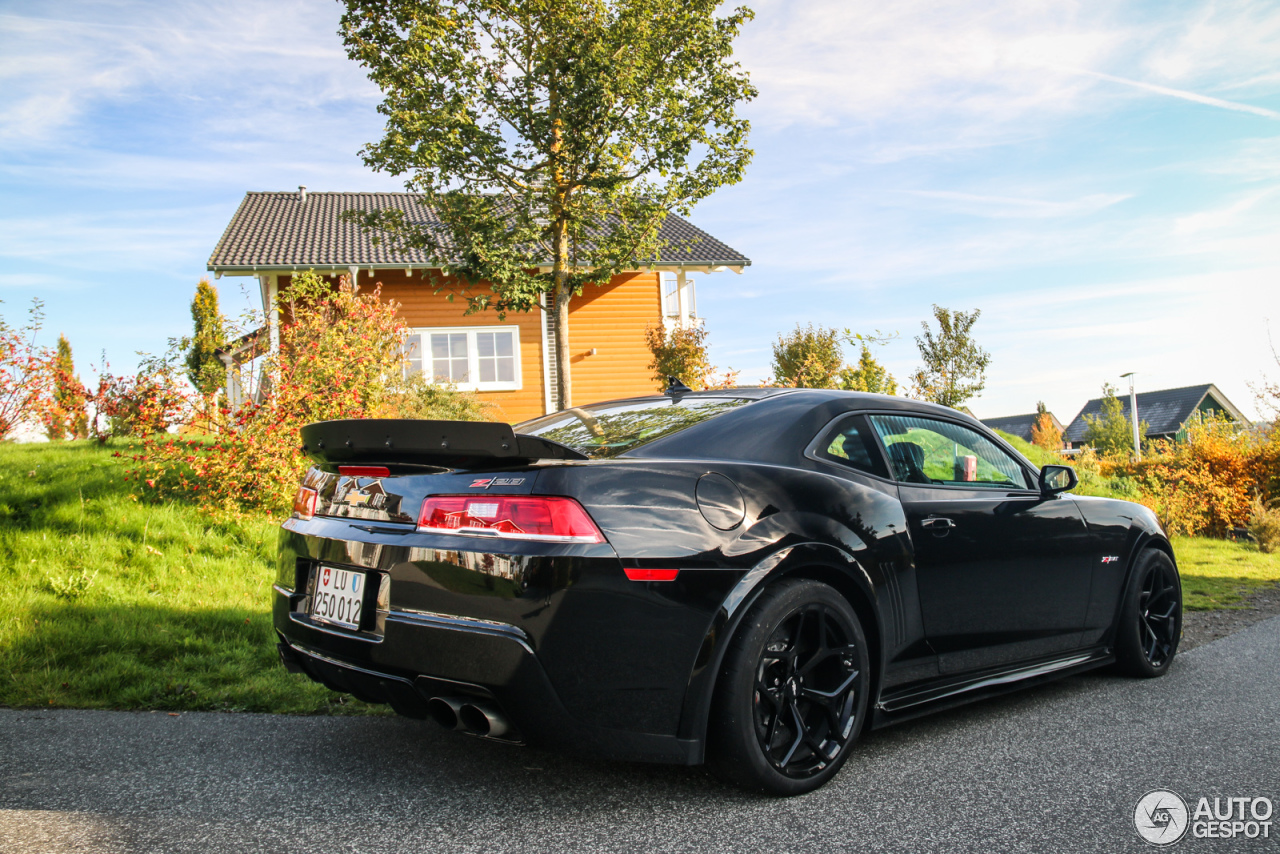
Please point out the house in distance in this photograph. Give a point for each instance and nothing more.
(1019, 425)
(1167, 412)
(509, 363)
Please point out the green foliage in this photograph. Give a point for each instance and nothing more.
(1264, 525)
(551, 139)
(204, 368)
(680, 353)
(809, 357)
(110, 602)
(869, 375)
(955, 367)
(1110, 431)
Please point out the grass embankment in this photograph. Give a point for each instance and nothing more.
(1220, 573)
(110, 601)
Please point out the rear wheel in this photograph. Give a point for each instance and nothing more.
(1151, 619)
(792, 695)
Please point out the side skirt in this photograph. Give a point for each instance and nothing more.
(916, 701)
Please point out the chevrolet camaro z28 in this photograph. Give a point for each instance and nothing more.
(747, 577)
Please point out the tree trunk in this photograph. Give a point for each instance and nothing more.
(560, 266)
(563, 382)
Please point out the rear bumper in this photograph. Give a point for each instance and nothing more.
(421, 656)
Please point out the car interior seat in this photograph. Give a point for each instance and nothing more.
(908, 462)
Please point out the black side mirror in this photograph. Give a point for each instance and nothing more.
(1055, 479)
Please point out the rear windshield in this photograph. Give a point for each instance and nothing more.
(610, 429)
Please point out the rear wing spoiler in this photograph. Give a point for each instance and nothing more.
(447, 444)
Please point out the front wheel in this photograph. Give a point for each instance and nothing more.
(792, 696)
(1151, 619)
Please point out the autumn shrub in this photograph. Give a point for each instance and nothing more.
(146, 403)
(26, 377)
(1044, 433)
(341, 356)
(1206, 484)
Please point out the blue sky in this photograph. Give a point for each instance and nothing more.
(1101, 179)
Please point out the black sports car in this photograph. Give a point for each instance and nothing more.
(747, 577)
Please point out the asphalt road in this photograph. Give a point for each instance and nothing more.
(1057, 768)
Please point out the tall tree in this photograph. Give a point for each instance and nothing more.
(549, 138)
(65, 417)
(955, 367)
(1110, 431)
(204, 368)
(869, 374)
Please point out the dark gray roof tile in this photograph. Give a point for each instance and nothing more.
(279, 230)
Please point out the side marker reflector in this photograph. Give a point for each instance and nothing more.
(636, 574)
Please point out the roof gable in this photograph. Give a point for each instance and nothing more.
(1165, 410)
(284, 231)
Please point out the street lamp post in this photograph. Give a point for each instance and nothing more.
(1133, 416)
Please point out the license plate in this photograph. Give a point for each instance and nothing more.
(338, 597)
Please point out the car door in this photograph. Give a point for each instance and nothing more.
(1003, 572)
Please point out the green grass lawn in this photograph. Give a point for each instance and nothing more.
(108, 601)
(112, 602)
(1218, 573)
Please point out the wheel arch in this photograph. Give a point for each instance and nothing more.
(813, 561)
(1142, 541)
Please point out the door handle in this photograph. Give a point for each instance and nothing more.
(937, 525)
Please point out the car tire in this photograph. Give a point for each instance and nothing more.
(1151, 617)
(792, 694)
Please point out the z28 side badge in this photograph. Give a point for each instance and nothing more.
(486, 482)
(1107, 559)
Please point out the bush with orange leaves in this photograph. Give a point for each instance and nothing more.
(1206, 485)
(340, 356)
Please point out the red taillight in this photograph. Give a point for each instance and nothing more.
(637, 574)
(515, 517)
(364, 471)
(304, 502)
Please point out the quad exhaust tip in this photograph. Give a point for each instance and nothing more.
(473, 717)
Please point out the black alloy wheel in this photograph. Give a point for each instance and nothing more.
(1151, 621)
(793, 692)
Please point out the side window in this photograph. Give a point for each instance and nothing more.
(923, 450)
(849, 442)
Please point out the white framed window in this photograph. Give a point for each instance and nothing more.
(475, 358)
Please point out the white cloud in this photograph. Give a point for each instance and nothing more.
(1174, 93)
(828, 61)
(260, 62)
(1219, 218)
